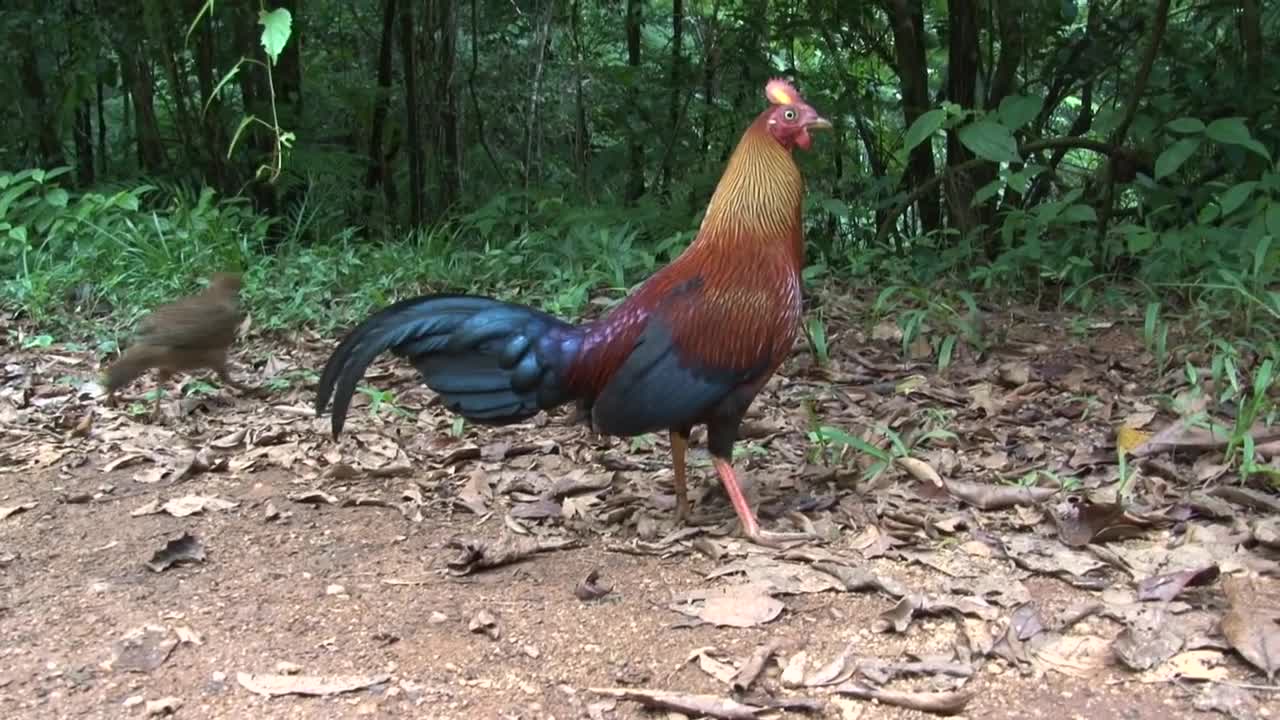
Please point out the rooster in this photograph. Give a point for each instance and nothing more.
(692, 345)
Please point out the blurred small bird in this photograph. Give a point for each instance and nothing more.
(193, 333)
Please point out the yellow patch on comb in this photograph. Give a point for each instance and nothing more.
(780, 92)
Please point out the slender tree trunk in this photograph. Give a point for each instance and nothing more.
(673, 116)
(48, 146)
(907, 19)
(84, 143)
(417, 176)
(141, 84)
(476, 109)
(211, 123)
(962, 77)
(1009, 19)
(102, 126)
(1251, 39)
(377, 174)
(581, 133)
(710, 62)
(447, 94)
(635, 150)
(542, 38)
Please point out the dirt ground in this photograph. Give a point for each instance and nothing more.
(305, 566)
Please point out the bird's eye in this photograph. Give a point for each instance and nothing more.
(789, 114)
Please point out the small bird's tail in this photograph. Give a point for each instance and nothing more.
(491, 362)
(131, 365)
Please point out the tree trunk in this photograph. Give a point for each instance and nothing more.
(581, 133)
(140, 82)
(673, 116)
(408, 49)
(635, 150)
(962, 77)
(710, 62)
(378, 173)
(476, 109)
(907, 19)
(48, 145)
(1251, 39)
(450, 153)
(542, 37)
(212, 130)
(84, 143)
(102, 126)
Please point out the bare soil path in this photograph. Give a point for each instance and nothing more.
(514, 572)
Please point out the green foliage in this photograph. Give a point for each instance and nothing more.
(116, 256)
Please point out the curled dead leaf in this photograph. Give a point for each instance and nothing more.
(938, 703)
(270, 685)
(688, 704)
(997, 497)
(476, 555)
(920, 470)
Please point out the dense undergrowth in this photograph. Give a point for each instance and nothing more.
(83, 267)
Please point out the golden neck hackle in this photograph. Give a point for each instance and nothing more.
(756, 205)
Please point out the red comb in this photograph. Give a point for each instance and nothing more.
(780, 92)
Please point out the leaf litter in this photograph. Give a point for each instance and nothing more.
(1022, 493)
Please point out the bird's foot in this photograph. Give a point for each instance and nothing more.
(778, 540)
(781, 540)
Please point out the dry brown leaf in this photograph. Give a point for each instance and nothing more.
(1166, 587)
(272, 685)
(192, 504)
(476, 494)
(183, 549)
(689, 704)
(476, 555)
(712, 665)
(8, 510)
(938, 703)
(920, 470)
(754, 665)
(997, 497)
(142, 649)
(1087, 522)
(1072, 655)
(1144, 645)
(745, 605)
(1234, 702)
(1190, 665)
(1252, 625)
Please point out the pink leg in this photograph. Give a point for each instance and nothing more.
(750, 526)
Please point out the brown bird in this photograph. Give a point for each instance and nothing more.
(193, 333)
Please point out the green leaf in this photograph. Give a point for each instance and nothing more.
(989, 140)
(1140, 240)
(1174, 155)
(1232, 131)
(1018, 110)
(924, 127)
(1229, 131)
(1235, 196)
(836, 207)
(277, 25)
(1273, 220)
(57, 197)
(1185, 125)
(1080, 214)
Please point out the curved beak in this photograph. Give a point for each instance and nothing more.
(819, 123)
